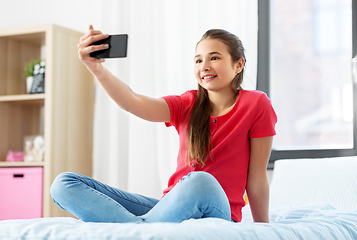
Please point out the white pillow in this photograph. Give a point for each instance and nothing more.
(301, 182)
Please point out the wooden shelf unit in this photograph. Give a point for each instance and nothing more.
(63, 114)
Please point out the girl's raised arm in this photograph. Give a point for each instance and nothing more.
(148, 108)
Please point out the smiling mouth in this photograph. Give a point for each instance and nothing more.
(208, 77)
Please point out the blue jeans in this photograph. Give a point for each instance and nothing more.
(197, 195)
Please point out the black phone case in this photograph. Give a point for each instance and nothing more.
(118, 45)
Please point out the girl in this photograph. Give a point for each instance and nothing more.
(225, 136)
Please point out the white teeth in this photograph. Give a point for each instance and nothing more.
(207, 77)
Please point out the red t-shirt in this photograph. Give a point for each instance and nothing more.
(252, 116)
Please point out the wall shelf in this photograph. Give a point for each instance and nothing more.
(21, 164)
(24, 98)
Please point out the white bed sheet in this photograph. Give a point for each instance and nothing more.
(309, 222)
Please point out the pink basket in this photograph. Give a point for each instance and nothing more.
(13, 156)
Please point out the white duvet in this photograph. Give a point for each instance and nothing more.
(309, 222)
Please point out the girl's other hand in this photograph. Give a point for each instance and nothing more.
(85, 48)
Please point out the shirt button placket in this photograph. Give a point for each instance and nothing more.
(214, 126)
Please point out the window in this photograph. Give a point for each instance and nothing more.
(305, 51)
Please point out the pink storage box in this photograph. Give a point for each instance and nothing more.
(13, 156)
(20, 193)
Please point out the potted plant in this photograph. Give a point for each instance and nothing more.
(35, 68)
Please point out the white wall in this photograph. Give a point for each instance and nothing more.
(73, 14)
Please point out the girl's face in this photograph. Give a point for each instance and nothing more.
(214, 69)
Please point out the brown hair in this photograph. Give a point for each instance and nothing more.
(198, 143)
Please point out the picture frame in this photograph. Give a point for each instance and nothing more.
(35, 76)
(34, 147)
(38, 84)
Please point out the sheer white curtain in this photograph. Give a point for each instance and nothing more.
(133, 154)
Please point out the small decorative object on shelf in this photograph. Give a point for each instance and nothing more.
(14, 156)
(34, 147)
(35, 76)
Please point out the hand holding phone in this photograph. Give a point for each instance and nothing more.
(118, 45)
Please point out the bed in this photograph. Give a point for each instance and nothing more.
(309, 199)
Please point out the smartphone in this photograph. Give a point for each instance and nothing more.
(118, 45)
